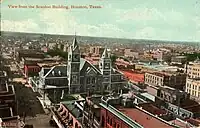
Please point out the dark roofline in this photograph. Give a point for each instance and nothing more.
(10, 118)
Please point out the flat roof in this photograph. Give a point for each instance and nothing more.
(5, 112)
(133, 76)
(144, 119)
(122, 116)
(152, 109)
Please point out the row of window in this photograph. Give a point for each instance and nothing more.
(91, 80)
(195, 87)
(154, 81)
(194, 69)
(193, 93)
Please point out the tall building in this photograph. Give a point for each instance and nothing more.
(193, 79)
(105, 68)
(73, 67)
(193, 88)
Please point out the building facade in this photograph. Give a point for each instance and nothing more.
(193, 70)
(174, 80)
(193, 88)
(193, 80)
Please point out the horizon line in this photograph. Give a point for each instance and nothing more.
(161, 40)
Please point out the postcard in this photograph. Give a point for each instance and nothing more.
(100, 64)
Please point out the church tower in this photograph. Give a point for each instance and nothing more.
(105, 68)
(73, 68)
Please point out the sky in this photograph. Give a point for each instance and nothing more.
(173, 20)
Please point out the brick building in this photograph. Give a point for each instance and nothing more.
(123, 114)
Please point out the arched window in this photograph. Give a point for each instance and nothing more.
(76, 125)
(103, 121)
(111, 122)
(93, 80)
(115, 125)
(108, 119)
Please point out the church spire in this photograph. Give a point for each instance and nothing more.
(105, 53)
(75, 43)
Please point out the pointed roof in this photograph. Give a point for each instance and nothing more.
(105, 53)
(75, 43)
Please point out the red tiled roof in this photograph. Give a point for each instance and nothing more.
(144, 119)
(136, 77)
(92, 60)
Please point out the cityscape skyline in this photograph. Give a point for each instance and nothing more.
(166, 20)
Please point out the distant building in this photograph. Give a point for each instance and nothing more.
(178, 59)
(131, 53)
(193, 69)
(118, 51)
(96, 50)
(162, 56)
(175, 80)
(19, 54)
(32, 66)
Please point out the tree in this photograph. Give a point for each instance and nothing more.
(58, 52)
(113, 59)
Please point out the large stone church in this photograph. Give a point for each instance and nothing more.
(79, 75)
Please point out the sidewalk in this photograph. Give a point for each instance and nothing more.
(45, 103)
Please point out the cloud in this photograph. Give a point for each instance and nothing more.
(62, 22)
(139, 14)
(148, 23)
(145, 33)
(23, 26)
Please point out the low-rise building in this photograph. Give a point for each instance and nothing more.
(178, 59)
(171, 79)
(123, 114)
(131, 53)
(193, 69)
(168, 94)
(96, 50)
